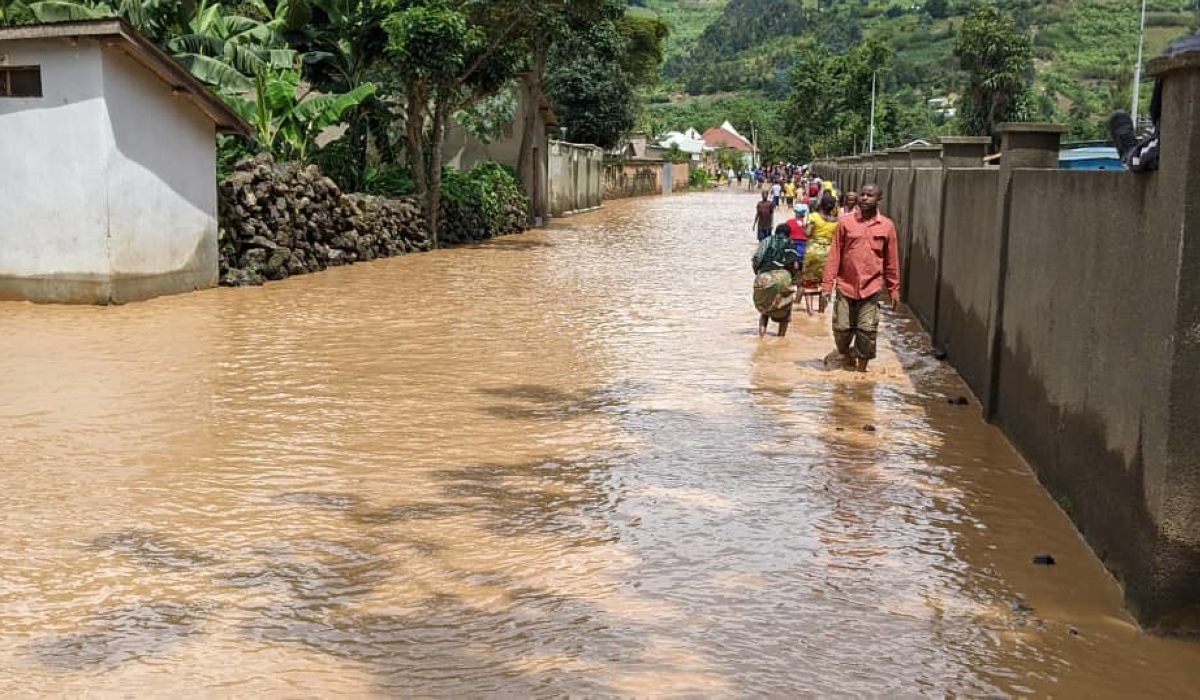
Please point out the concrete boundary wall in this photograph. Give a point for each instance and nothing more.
(639, 178)
(969, 266)
(1067, 302)
(576, 172)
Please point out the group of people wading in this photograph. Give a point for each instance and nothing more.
(846, 251)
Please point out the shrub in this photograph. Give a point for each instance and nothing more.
(1168, 19)
(389, 181)
(699, 178)
(485, 202)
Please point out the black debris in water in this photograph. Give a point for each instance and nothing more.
(958, 401)
(1044, 560)
(869, 428)
(938, 354)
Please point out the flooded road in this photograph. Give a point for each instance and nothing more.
(558, 463)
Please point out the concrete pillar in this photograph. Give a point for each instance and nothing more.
(851, 175)
(1029, 145)
(1022, 145)
(1166, 593)
(964, 151)
(925, 156)
(920, 158)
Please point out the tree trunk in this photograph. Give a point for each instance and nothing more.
(414, 124)
(433, 198)
(527, 169)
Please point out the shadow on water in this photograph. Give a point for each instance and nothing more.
(123, 634)
(534, 401)
(514, 245)
(323, 595)
(151, 550)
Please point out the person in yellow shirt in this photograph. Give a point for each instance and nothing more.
(789, 194)
(822, 226)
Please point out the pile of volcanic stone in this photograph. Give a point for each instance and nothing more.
(280, 219)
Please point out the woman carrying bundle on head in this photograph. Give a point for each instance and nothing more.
(776, 269)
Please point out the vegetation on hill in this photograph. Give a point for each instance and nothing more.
(743, 60)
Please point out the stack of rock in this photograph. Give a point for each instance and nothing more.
(279, 220)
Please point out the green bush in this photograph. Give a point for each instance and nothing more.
(485, 202)
(389, 181)
(699, 178)
(1168, 19)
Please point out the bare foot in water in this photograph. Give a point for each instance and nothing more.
(835, 356)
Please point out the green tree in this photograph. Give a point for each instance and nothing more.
(448, 55)
(287, 122)
(597, 66)
(221, 49)
(829, 103)
(812, 101)
(998, 60)
(344, 47)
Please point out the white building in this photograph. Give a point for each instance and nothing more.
(690, 142)
(107, 166)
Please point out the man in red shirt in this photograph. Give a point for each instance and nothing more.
(863, 261)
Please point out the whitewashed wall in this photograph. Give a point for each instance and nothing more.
(161, 184)
(53, 151)
(109, 181)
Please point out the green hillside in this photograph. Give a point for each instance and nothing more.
(733, 57)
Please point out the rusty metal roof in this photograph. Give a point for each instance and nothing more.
(116, 33)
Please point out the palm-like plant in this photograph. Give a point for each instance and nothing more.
(287, 119)
(222, 49)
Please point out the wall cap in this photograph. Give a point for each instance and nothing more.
(964, 139)
(1176, 62)
(1033, 127)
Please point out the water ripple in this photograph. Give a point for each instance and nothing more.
(558, 464)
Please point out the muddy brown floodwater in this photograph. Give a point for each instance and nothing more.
(561, 463)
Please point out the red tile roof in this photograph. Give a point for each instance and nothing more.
(720, 138)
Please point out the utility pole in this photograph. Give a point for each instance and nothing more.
(871, 137)
(1137, 70)
(753, 145)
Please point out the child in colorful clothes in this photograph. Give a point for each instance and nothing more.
(798, 230)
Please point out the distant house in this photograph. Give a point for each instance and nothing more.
(725, 136)
(108, 164)
(690, 142)
(464, 151)
(942, 106)
(638, 146)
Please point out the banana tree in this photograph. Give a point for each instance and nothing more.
(222, 49)
(68, 11)
(15, 12)
(286, 119)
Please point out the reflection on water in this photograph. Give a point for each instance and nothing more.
(559, 463)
